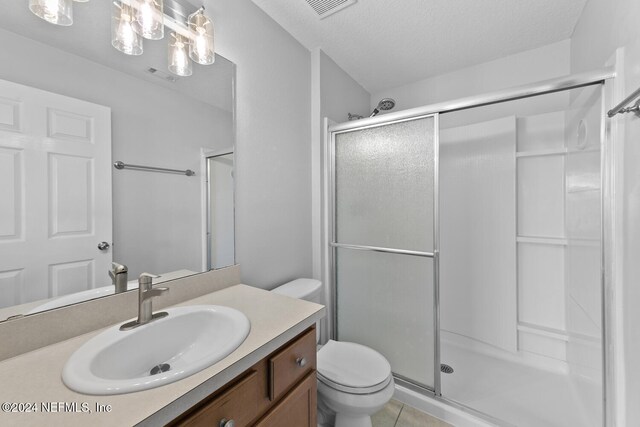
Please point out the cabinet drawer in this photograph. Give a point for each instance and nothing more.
(239, 403)
(291, 364)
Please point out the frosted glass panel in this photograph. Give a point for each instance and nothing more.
(384, 186)
(385, 301)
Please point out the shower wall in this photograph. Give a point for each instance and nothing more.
(583, 231)
(520, 263)
(478, 252)
(520, 210)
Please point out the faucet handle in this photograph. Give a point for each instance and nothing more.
(118, 268)
(147, 278)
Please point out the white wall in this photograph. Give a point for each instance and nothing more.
(526, 67)
(604, 26)
(273, 133)
(143, 202)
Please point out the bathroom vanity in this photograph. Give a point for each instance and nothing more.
(269, 380)
(277, 391)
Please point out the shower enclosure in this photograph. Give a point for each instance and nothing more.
(467, 247)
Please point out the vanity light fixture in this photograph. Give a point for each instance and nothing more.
(148, 19)
(192, 37)
(123, 36)
(201, 47)
(179, 63)
(57, 12)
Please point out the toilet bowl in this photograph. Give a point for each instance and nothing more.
(354, 381)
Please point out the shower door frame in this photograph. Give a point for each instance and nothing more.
(434, 255)
(608, 236)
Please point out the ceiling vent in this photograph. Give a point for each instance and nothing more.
(325, 8)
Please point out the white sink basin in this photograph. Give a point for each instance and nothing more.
(188, 340)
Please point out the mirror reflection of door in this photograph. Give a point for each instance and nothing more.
(220, 230)
(55, 192)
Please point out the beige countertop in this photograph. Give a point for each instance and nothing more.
(35, 377)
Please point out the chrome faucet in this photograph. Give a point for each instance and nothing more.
(118, 274)
(146, 292)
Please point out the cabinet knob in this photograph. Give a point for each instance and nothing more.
(227, 423)
(301, 361)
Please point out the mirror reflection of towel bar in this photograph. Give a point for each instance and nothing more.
(122, 165)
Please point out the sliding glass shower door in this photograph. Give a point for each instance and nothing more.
(385, 244)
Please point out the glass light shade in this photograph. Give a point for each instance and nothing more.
(58, 12)
(123, 37)
(179, 63)
(201, 48)
(149, 19)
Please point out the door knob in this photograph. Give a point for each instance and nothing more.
(227, 423)
(103, 246)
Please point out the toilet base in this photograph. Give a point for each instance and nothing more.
(340, 409)
(343, 420)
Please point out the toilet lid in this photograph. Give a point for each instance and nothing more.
(353, 366)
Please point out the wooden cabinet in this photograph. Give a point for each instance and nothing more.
(280, 390)
(298, 408)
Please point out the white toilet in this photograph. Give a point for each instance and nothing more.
(354, 381)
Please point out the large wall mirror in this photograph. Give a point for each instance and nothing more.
(70, 107)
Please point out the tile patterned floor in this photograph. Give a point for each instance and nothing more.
(396, 414)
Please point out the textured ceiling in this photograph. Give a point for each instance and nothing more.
(387, 43)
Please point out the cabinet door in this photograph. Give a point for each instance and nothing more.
(298, 408)
(291, 364)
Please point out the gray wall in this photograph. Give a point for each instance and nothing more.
(334, 94)
(273, 163)
(157, 217)
(340, 93)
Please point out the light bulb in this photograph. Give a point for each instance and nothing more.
(179, 63)
(201, 49)
(149, 19)
(58, 12)
(123, 36)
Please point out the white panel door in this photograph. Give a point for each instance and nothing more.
(478, 232)
(55, 187)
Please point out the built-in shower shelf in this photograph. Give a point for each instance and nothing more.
(585, 150)
(583, 189)
(559, 241)
(543, 330)
(540, 153)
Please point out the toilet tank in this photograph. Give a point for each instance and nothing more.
(306, 289)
